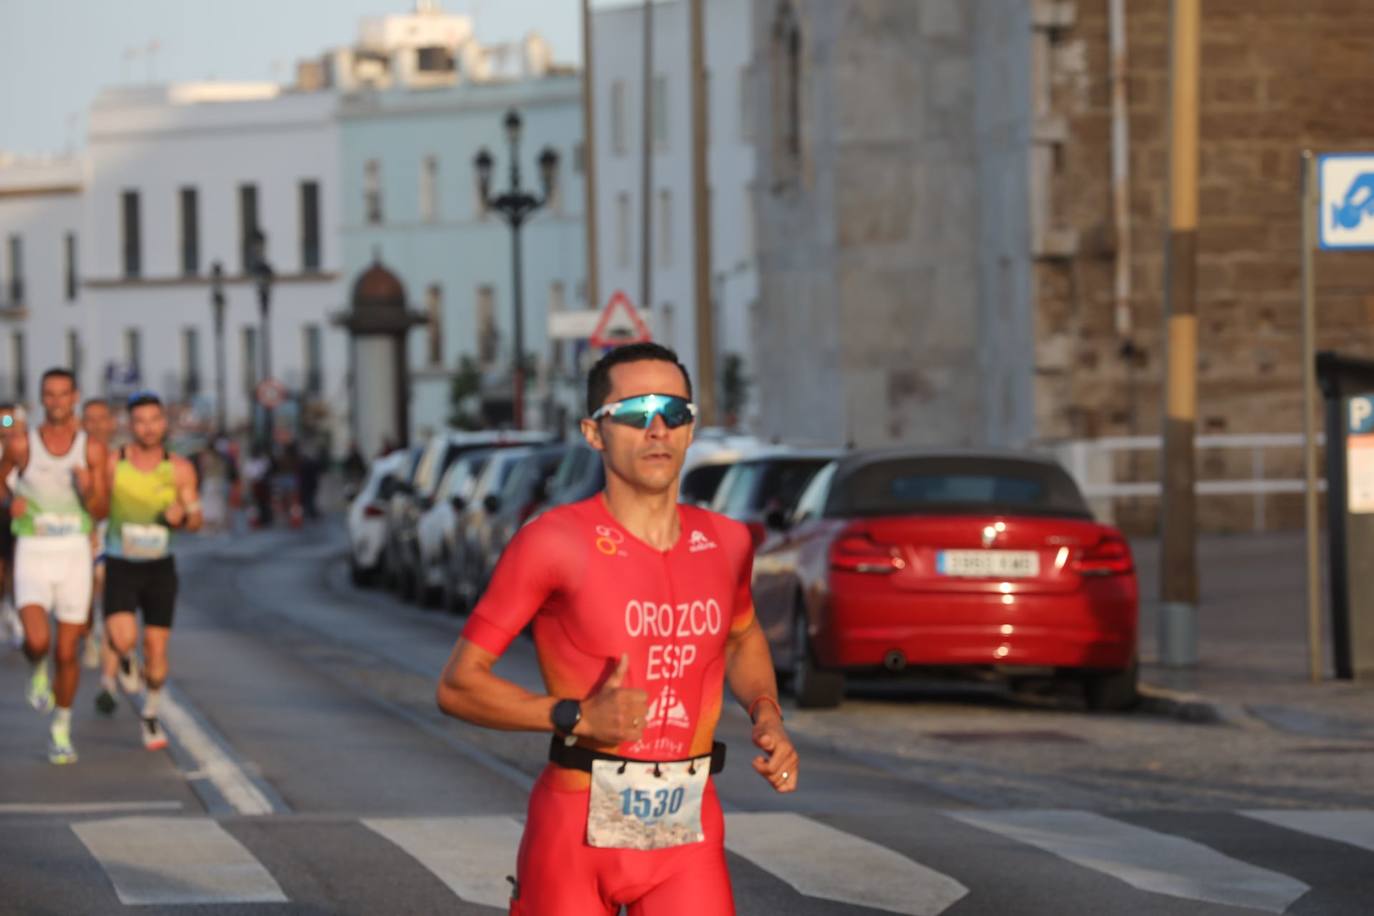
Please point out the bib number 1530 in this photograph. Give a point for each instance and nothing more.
(644, 805)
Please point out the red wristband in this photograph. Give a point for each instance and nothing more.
(764, 698)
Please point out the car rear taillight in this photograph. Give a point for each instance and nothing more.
(372, 510)
(1110, 556)
(860, 553)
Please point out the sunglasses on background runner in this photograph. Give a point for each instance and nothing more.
(639, 412)
(6, 422)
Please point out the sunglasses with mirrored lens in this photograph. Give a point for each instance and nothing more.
(639, 412)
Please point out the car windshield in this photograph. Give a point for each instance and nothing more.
(956, 485)
(699, 484)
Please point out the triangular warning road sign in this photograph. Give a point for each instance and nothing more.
(628, 329)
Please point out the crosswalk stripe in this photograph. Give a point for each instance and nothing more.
(1355, 828)
(1145, 859)
(820, 861)
(176, 860)
(471, 855)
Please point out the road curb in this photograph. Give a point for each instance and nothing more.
(1195, 708)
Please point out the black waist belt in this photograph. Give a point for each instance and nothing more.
(581, 758)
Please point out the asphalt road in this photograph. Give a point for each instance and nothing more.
(311, 773)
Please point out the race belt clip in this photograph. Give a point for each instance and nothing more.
(581, 758)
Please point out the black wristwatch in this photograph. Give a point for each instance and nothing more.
(566, 714)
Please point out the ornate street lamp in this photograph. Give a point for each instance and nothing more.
(516, 206)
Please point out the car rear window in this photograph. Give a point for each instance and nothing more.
(947, 485)
(699, 484)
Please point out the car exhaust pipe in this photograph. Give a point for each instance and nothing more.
(894, 660)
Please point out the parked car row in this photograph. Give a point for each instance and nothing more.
(866, 562)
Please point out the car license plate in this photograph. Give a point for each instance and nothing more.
(995, 564)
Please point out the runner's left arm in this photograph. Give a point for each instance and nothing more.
(92, 482)
(749, 672)
(186, 512)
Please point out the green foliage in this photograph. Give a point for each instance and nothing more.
(467, 385)
(734, 388)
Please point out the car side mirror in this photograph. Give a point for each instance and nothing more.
(776, 520)
(458, 503)
(492, 503)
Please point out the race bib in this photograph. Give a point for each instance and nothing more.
(646, 805)
(143, 542)
(54, 525)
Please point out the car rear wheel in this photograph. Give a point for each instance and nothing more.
(813, 687)
(450, 599)
(361, 575)
(1113, 690)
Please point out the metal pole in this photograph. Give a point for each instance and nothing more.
(646, 229)
(1178, 566)
(265, 313)
(217, 300)
(701, 220)
(1309, 417)
(518, 400)
(589, 157)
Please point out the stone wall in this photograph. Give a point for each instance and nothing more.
(1277, 77)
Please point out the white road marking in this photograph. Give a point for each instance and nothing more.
(1145, 859)
(212, 762)
(820, 861)
(89, 807)
(471, 855)
(176, 860)
(1355, 828)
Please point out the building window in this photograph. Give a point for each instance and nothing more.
(21, 370)
(665, 228)
(190, 233)
(660, 112)
(314, 360)
(434, 59)
(622, 229)
(190, 363)
(372, 192)
(248, 226)
(133, 352)
(69, 265)
(434, 323)
(133, 243)
(619, 127)
(558, 302)
(429, 189)
(488, 339)
(249, 343)
(310, 227)
(74, 358)
(787, 89)
(15, 248)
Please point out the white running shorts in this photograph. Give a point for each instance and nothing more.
(54, 573)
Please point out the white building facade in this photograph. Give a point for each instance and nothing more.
(618, 82)
(179, 179)
(408, 163)
(42, 310)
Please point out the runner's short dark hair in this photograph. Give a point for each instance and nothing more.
(58, 372)
(95, 402)
(599, 379)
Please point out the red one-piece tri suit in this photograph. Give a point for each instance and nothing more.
(595, 592)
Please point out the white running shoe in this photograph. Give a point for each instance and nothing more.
(39, 690)
(154, 738)
(129, 674)
(90, 655)
(60, 748)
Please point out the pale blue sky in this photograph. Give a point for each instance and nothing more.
(55, 55)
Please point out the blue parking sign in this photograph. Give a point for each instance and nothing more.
(1345, 200)
(1361, 415)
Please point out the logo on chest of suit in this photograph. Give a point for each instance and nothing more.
(610, 541)
(699, 542)
(668, 708)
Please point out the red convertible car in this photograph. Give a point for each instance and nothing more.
(987, 562)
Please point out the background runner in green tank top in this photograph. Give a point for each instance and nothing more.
(138, 499)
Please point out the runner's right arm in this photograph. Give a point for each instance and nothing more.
(16, 457)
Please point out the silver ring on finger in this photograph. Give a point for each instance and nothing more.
(786, 776)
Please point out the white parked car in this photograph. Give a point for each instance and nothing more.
(436, 530)
(367, 517)
(464, 568)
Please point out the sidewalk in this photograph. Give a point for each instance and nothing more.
(1253, 657)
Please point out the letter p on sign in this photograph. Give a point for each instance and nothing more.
(1361, 414)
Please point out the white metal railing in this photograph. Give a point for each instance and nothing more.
(1092, 464)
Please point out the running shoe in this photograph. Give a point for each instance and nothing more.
(105, 702)
(11, 624)
(154, 738)
(90, 655)
(39, 692)
(60, 748)
(130, 677)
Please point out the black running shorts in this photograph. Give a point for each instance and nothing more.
(6, 538)
(149, 586)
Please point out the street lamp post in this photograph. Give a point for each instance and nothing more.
(217, 307)
(516, 206)
(263, 276)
